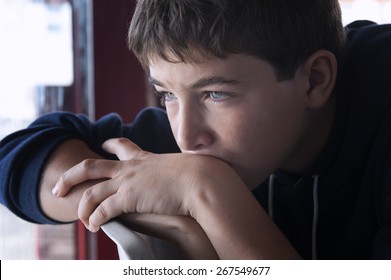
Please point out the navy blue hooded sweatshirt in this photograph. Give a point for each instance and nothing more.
(339, 209)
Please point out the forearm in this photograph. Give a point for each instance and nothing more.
(235, 223)
(205, 188)
(66, 155)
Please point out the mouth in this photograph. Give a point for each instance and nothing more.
(223, 160)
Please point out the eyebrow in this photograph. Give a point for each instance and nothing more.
(203, 82)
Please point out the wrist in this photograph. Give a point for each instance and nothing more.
(66, 155)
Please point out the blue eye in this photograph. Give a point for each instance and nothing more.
(168, 96)
(165, 96)
(218, 96)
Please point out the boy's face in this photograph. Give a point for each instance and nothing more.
(235, 109)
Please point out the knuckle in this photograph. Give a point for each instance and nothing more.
(101, 214)
(123, 139)
(83, 216)
(63, 179)
(88, 195)
(120, 140)
(88, 163)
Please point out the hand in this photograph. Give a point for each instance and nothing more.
(202, 187)
(140, 182)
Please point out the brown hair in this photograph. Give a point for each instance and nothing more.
(282, 32)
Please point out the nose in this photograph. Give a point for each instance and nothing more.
(192, 131)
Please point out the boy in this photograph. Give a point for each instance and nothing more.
(284, 141)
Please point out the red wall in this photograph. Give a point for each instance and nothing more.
(119, 79)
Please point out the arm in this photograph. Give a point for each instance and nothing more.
(183, 231)
(26, 156)
(32, 161)
(66, 155)
(24, 159)
(204, 188)
(228, 207)
(227, 233)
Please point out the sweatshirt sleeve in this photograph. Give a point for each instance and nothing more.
(24, 153)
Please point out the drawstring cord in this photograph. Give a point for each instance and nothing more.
(271, 195)
(315, 213)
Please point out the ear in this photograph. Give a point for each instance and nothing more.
(320, 70)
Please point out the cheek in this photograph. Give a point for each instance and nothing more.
(171, 113)
(265, 136)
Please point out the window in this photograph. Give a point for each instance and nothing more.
(378, 11)
(42, 69)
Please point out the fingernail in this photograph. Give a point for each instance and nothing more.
(93, 229)
(55, 190)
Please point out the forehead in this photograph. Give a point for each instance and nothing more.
(240, 67)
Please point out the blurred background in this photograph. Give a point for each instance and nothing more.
(72, 55)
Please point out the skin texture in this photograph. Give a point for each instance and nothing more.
(235, 124)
